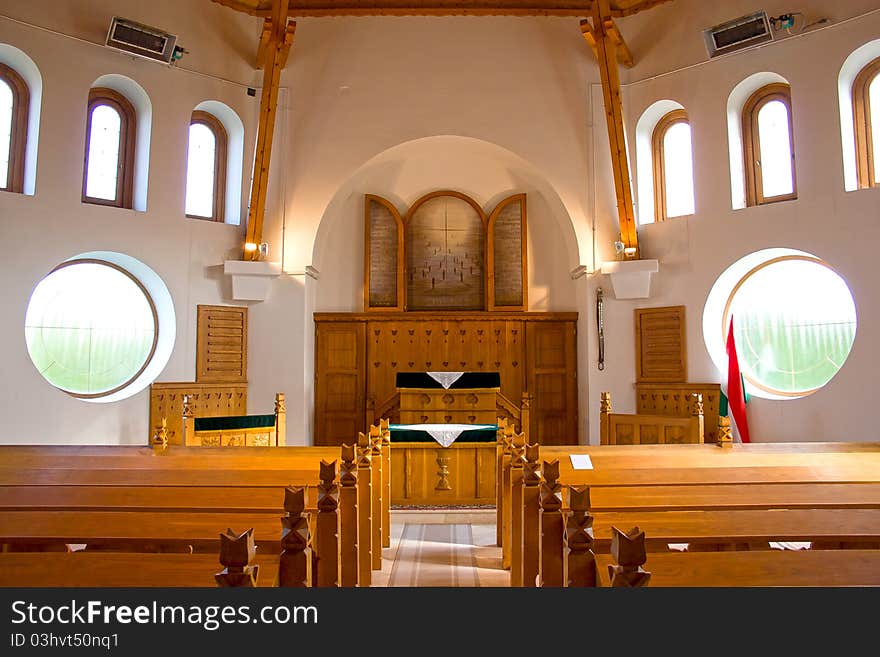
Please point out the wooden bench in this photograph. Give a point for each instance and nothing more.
(234, 430)
(642, 429)
(120, 569)
(701, 494)
(182, 489)
(761, 568)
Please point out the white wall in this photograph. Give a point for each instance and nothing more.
(402, 106)
(38, 232)
(840, 227)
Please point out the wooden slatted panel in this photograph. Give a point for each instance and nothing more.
(661, 354)
(221, 348)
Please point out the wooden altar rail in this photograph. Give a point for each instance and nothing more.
(174, 498)
(824, 493)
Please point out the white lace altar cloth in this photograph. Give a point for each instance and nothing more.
(446, 434)
(445, 379)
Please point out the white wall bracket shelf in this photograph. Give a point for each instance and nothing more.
(251, 279)
(631, 279)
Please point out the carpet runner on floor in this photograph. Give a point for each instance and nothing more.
(435, 555)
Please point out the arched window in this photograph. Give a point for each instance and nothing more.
(206, 167)
(108, 173)
(673, 166)
(866, 114)
(14, 101)
(768, 146)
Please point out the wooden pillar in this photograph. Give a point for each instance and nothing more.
(525, 416)
(697, 415)
(237, 555)
(580, 561)
(517, 459)
(327, 527)
(348, 518)
(552, 530)
(365, 510)
(505, 495)
(604, 419)
(295, 565)
(280, 420)
(606, 53)
(531, 511)
(378, 486)
(280, 41)
(188, 424)
(499, 483)
(386, 482)
(725, 436)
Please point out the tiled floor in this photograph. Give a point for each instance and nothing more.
(463, 554)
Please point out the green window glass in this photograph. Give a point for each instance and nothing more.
(794, 324)
(90, 328)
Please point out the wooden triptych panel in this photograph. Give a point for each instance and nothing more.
(446, 253)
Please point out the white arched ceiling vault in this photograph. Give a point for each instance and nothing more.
(484, 171)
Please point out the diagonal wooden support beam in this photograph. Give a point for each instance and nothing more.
(276, 52)
(624, 56)
(606, 50)
(265, 42)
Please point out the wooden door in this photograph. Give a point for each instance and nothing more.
(552, 380)
(340, 355)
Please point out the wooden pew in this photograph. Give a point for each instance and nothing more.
(119, 569)
(234, 430)
(816, 490)
(179, 481)
(751, 568)
(642, 429)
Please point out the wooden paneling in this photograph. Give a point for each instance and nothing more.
(552, 380)
(426, 473)
(439, 406)
(339, 382)
(432, 341)
(507, 258)
(672, 399)
(661, 354)
(221, 344)
(383, 266)
(206, 400)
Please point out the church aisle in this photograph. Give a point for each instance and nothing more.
(442, 549)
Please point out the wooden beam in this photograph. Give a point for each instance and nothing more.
(624, 56)
(624, 8)
(265, 41)
(589, 36)
(607, 55)
(322, 8)
(276, 55)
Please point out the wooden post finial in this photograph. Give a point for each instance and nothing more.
(159, 442)
(237, 554)
(696, 404)
(725, 435)
(628, 549)
(580, 564)
(295, 565)
(605, 403)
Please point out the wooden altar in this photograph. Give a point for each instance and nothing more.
(423, 473)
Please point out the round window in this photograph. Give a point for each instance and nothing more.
(794, 321)
(91, 328)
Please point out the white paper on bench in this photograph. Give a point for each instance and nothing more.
(581, 461)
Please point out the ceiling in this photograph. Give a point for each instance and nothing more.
(318, 8)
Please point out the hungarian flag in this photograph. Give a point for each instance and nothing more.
(736, 395)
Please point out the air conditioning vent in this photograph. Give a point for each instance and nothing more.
(740, 33)
(141, 40)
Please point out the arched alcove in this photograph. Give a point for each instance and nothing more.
(234, 156)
